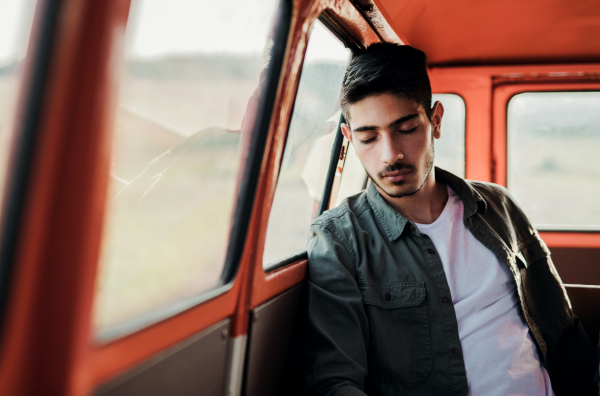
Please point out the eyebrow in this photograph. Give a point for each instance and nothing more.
(393, 123)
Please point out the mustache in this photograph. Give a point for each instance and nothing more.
(395, 167)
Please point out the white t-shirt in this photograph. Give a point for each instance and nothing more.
(499, 354)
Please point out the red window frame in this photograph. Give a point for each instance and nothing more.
(503, 92)
(486, 91)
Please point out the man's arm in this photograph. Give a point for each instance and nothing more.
(570, 357)
(335, 343)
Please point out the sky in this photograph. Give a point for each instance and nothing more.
(165, 27)
(158, 28)
(323, 45)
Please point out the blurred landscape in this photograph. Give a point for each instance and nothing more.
(450, 147)
(554, 158)
(305, 160)
(9, 91)
(174, 175)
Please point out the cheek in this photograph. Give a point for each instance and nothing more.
(414, 147)
(364, 159)
(364, 151)
(367, 156)
(423, 141)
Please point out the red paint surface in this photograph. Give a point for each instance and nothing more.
(118, 356)
(498, 32)
(46, 348)
(474, 86)
(486, 91)
(571, 239)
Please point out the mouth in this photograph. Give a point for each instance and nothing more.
(396, 176)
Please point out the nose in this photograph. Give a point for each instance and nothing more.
(391, 151)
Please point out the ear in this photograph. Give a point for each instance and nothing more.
(436, 119)
(347, 131)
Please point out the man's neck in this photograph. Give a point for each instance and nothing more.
(426, 205)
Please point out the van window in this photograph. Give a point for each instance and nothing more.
(553, 148)
(189, 91)
(354, 177)
(308, 147)
(450, 148)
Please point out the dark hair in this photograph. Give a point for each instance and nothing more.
(387, 68)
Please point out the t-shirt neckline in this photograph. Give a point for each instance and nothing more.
(443, 215)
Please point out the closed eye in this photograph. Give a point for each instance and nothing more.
(367, 141)
(407, 132)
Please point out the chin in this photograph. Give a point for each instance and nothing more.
(404, 192)
(400, 189)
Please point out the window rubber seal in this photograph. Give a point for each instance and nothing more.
(333, 163)
(251, 174)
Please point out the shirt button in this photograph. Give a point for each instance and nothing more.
(430, 251)
(445, 300)
(387, 296)
(454, 351)
(412, 227)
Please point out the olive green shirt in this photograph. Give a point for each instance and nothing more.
(380, 318)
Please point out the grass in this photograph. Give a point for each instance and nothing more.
(167, 231)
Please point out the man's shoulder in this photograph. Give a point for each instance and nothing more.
(492, 192)
(488, 188)
(502, 206)
(332, 243)
(346, 212)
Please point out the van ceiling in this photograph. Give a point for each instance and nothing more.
(474, 32)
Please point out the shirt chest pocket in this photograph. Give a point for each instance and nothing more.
(399, 336)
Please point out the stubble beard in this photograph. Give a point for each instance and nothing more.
(400, 166)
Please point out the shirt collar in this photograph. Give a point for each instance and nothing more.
(394, 223)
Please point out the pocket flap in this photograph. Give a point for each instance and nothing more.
(532, 249)
(393, 295)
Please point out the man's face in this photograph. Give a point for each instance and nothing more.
(393, 138)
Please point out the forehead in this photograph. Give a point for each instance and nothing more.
(382, 109)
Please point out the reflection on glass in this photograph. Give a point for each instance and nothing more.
(308, 147)
(354, 176)
(188, 95)
(16, 17)
(554, 158)
(450, 148)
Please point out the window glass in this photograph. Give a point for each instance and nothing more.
(308, 147)
(188, 95)
(354, 176)
(450, 148)
(553, 148)
(16, 17)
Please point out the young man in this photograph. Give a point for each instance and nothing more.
(427, 284)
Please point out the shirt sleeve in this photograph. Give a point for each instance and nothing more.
(335, 343)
